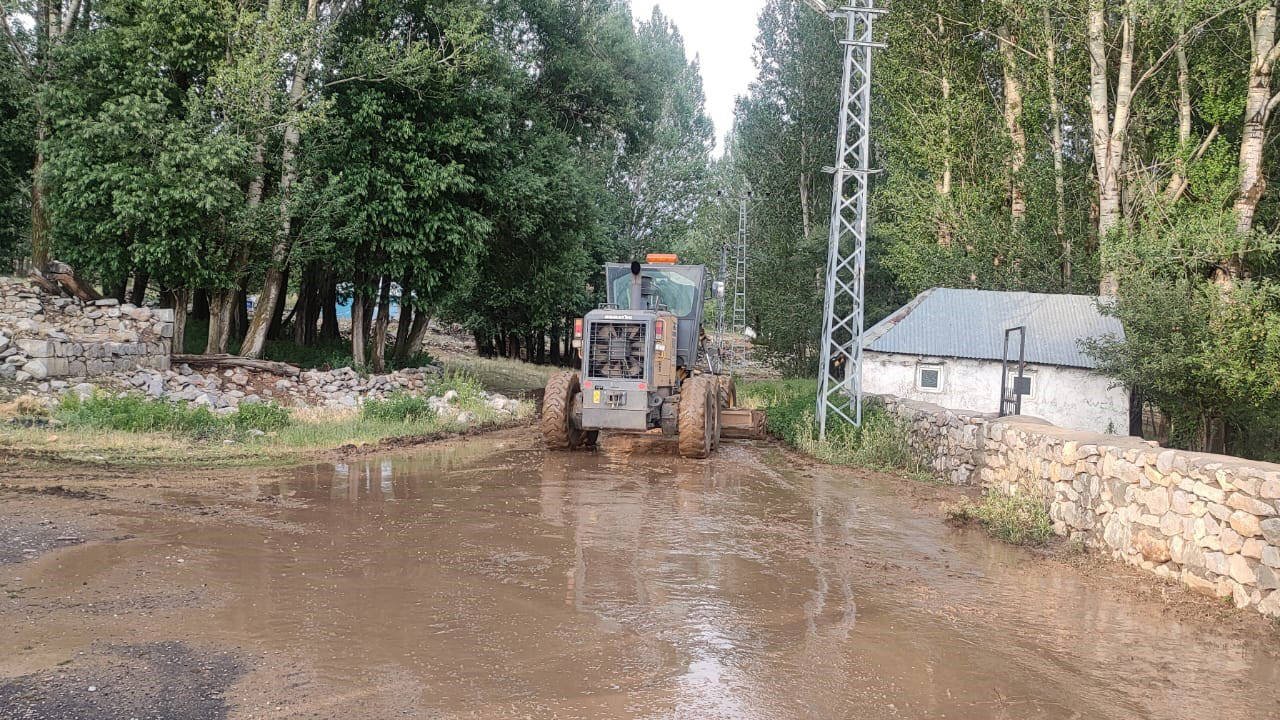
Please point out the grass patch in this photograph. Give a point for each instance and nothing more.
(136, 414)
(135, 431)
(510, 377)
(879, 443)
(1017, 519)
(399, 407)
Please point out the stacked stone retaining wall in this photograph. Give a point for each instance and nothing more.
(49, 336)
(1210, 522)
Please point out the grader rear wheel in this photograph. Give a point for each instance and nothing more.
(558, 429)
(698, 421)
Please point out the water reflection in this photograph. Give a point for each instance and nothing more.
(631, 583)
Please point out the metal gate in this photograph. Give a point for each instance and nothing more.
(1011, 392)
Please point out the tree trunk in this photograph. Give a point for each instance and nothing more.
(221, 317)
(1013, 125)
(1178, 182)
(120, 291)
(379, 361)
(41, 242)
(307, 308)
(413, 339)
(369, 306)
(329, 329)
(139, 294)
(274, 283)
(1055, 145)
(555, 342)
(358, 327)
(1109, 128)
(200, 304)
(1258, 106)
(276, 330)
(177, 300)
(241, 315)
(405, 320)
(943, 185)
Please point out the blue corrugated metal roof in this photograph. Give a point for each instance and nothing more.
(970, 324)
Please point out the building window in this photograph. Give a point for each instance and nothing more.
(1026, 388)
(929, 378)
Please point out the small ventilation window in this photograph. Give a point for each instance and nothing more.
(1024, 386)
(929, 378)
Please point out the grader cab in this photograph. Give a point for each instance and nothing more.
(646, 365)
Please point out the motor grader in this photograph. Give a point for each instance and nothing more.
(646, 364)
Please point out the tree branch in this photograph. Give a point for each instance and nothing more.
(25, 61)
(1169, 51)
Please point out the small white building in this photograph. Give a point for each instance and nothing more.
(946, 347)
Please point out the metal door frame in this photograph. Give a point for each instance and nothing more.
(1016, 399)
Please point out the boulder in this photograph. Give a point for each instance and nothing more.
(36, 368)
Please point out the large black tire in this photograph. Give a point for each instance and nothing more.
(698, 421)
(558, 430)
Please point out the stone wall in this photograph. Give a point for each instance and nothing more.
(47, 336)
(1210, 522)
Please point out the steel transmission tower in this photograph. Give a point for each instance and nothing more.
(840, 374)
(740, 271)
(738, 317)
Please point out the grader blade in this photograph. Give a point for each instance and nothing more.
(742, 424)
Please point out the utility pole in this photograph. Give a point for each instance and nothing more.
(840, 372)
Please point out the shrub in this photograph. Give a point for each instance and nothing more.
(468, 386)
(264, 417)
(1017, 519)
(398, 407)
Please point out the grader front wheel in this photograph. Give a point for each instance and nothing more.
(698, 421)
(559, 432)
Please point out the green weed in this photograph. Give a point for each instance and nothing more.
(879, 443)
(137, 414)
(1017, 519)
(264, 417)
(398, 407)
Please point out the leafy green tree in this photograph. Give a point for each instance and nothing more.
(137, 180)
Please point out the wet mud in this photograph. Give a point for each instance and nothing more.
(488, 579)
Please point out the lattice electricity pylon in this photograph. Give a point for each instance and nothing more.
(840, 374)
(721, 277)
(740, 272)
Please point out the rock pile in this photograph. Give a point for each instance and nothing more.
(339, 388)
(49, 336)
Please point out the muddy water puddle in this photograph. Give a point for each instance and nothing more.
(492, 580)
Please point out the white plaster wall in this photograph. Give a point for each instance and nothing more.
(1068, 397)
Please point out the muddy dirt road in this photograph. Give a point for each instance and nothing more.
(486, 579)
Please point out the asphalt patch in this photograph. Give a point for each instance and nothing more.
(170, 680)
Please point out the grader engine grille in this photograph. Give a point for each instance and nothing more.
(617, 350)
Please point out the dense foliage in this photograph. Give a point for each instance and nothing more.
(471, 160)
(1085, 146)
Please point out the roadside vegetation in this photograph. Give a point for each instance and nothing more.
(1017, 519)
(129, 429)
(879, 444)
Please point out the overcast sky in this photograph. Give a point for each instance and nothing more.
(720, 33)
